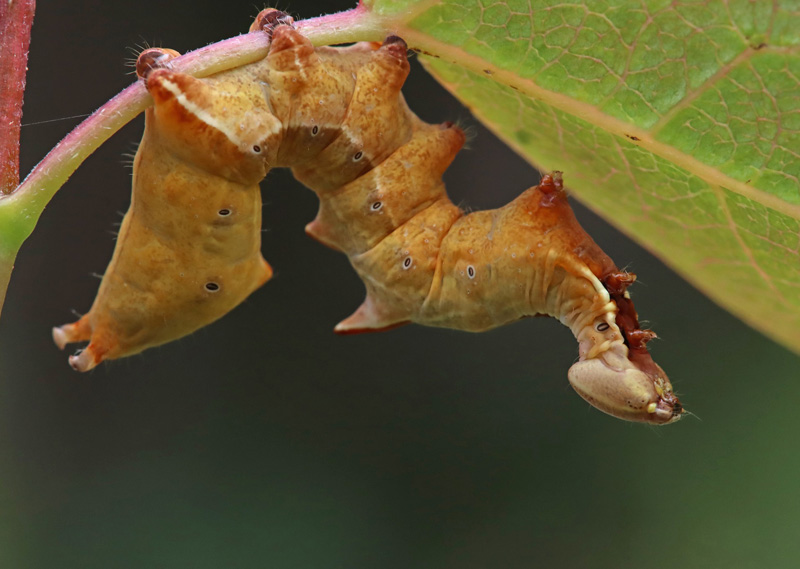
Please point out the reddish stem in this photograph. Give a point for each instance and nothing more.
(16, 19)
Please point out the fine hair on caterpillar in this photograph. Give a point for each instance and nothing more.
(189, 247)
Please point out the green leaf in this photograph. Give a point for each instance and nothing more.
(679, 123)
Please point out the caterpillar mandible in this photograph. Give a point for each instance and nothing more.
(336, 116)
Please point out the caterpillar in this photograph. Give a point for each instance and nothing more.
(337, 118)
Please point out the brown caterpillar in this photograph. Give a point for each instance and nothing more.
(340, 122)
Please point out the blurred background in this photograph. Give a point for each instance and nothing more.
(265, 440)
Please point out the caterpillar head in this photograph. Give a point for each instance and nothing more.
(625, 383)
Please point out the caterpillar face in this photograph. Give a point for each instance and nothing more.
(615, 385)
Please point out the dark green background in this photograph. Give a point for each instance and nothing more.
(266, 441)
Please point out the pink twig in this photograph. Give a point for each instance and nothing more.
(16, 19)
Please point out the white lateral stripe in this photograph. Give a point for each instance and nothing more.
(198, 112)
(598, 286)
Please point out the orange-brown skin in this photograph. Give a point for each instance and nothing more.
(188, 250)
(336, 116)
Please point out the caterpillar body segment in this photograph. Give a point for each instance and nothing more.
(342, 109)
(399, 270)
(415, 167)
(522, 259)
(220, 130)
(188, 250)
(268, 18)
(309, 90)
(377, 122)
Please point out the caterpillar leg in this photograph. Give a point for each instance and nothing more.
(79, 331)
(270, 18)
(153, 58)
(379, 210)
(86, 359)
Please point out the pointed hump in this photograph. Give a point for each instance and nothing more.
(371, 316)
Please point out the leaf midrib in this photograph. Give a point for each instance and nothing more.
(423, 42)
